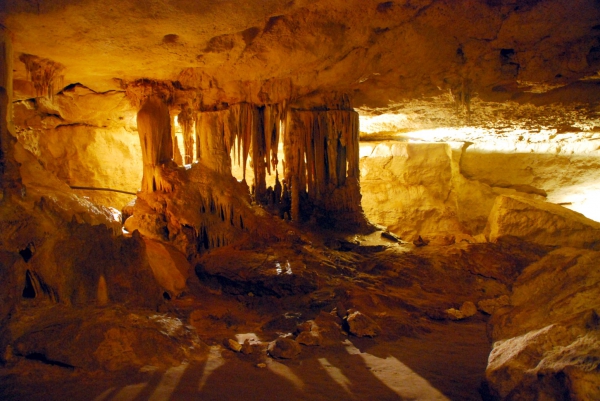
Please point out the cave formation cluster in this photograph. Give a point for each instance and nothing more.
(374, 193)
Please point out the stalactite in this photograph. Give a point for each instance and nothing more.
(154, 129)
(240, 129)
(186, 120)
(44, 73)
(258, 154)
(321, 151)
(177, 158)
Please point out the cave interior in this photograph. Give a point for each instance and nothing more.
(274, 199)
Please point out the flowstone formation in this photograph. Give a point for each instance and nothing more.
(202, 206)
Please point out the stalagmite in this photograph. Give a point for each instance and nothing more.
(154, 128)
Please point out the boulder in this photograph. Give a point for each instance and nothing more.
(361, 325)
(541, 223)
(467, 309)
(309, 334)
(547, 342)
(232, 345)
(108, 339)
(284, 348)
(330, 328)
(169, 265)
(545, 364)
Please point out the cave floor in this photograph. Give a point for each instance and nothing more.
(446, 364)
(262, 292)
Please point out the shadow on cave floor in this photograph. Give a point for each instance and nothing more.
(446, 364)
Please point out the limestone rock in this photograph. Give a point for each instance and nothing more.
(420, 242)
(284, 348)
(232, 345)
(353, 45)
(330, 328)
(407, 185)
(541, 223)
(361, 325)
(467, 309)
(391, 236)
(86, 139)
(309, 338)
(547, 342)
(561, 358)
(108, 339)
(247, 348)
(488, 306)
(169, 265)
(341, 310)
(309, 334)
(45, 189)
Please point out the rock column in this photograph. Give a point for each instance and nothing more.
(154, 128)
(321, 152)
(10, 178)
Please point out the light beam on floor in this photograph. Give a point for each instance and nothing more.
(398, 377)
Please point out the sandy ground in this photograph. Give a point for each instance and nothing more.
(446, 364)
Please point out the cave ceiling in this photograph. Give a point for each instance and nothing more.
(415, 54)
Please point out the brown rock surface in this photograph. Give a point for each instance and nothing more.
(107, 339)
(362, 325)
(546, 341)
(170, 267)
(284, 348)
(306, 45)
(86, 139)
(466, 310)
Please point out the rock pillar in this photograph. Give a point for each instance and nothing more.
(10, 178)
(321, 155)
(154, 128)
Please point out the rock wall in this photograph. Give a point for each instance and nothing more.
(450, 184)
(9, 171)
(86, 139)
(541, 222)
(418, 189)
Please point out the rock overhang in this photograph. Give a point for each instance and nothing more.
(379, 53)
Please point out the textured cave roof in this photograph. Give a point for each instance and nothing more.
(266, 51)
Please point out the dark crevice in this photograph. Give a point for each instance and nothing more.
(29, 290)
(103, 189)
(27, 253)
(37, 356)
